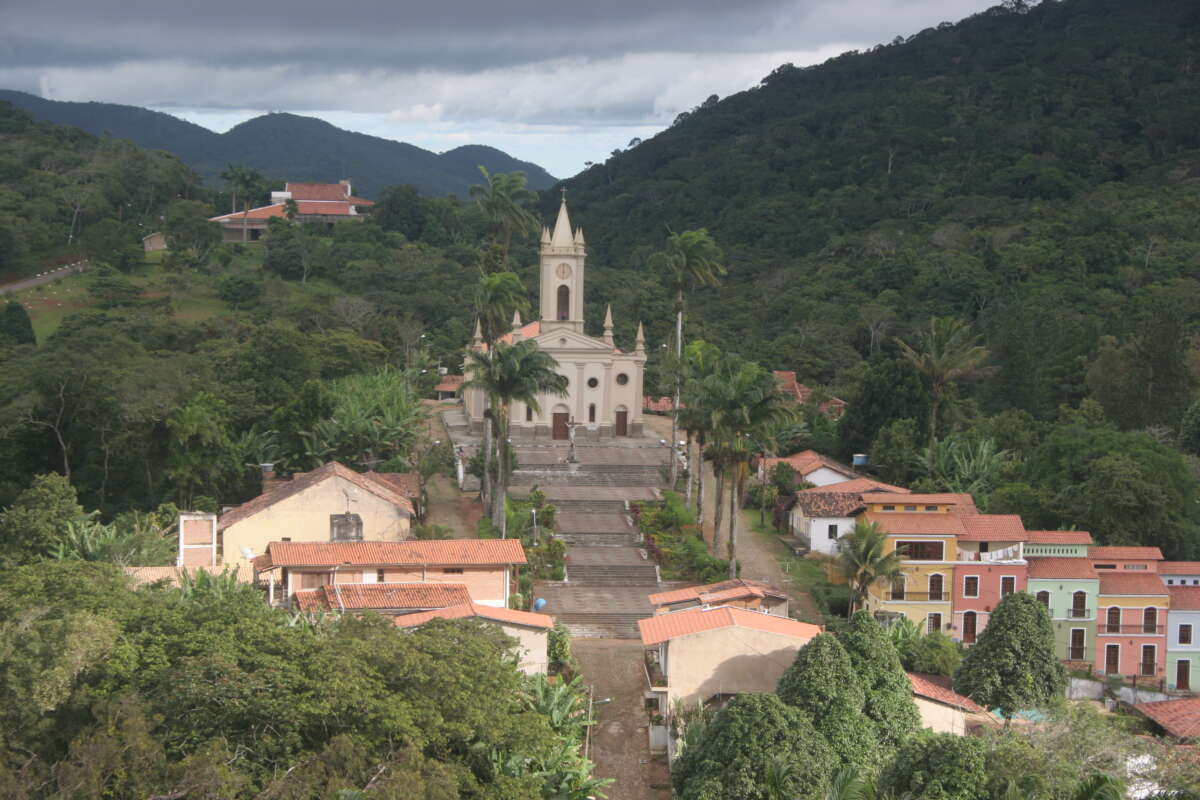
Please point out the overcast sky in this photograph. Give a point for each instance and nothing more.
(559, 84)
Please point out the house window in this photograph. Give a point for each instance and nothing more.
(931, 508)
(1078, 641)
(1134, 566)
(379, 576)
(1150, 620)
(910, 508)
(936, 585)
(452, 571)
(985, 547)
(1008, 585)
(1044, 598)
(1185, 634)
(833, 531)
(1112, 659)
(528, 413)
(1106, 566)
(1170, 581)
(897, 589)
(1113, 620)
(971, 586)
(921, 551)
(1079, 605)
(970, 626)
(345, 528)
(935, 622)
(889, 508)
(1149, 657)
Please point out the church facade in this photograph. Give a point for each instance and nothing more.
(604, 383)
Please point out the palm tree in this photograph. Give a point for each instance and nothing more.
(948, 352)
(691, 257)
(701, 361)
(502, 198)
(508, 373)
(497, 298)
(246, 182)
(847, 784)
(863, 561)
(781, 777)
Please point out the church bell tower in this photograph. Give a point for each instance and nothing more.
(562, 254)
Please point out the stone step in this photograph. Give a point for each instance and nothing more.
(601, 626)
(589, 506)
(600, 539)
(634, 476)
(612, 574)
(575, 522)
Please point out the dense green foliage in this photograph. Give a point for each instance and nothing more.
(287, 146)
(937, 766)
(1012, 665)
(731, 757)
(673, 536)
(205, 691)
(887, 700)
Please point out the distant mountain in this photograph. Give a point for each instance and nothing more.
(287, 147)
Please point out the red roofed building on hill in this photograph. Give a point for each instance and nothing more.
(531, 630)
(832, 407)
(327, 203)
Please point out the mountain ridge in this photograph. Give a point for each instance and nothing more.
(285, 146)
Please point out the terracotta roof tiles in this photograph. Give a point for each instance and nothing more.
(807, 462)
(504, 616)
(829, 504)
(405, 484)
(934, 687)
(1184, 598)
(1123, 553)
(318, 191)
(1180, 718)
(379, 596)
(1127, 583)
(695, 592)
(1050, 568)
(992, 528)
(858, 486)
(1179, 568)
(664, 627)
(450, 383)
(1058, 537)
(915, 522)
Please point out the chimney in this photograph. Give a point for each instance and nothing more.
(269, 481)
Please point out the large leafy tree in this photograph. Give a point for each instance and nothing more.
(946, 352)
(690, 258)
(887, 701)
(15, 325)
(937, 766)
(39, 518)
(504, 199)
(1012, 665)
(506, 374)
(864, 561)
(822, 684)
(889, 391)
(733, 754)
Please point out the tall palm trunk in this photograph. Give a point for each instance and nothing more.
(675, 403)
(719, 488)
(735, 512)
(691, 476)
(700, 478)
(499, 518)
(485, 482)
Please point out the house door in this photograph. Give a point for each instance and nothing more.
(558, 426)
(969, 627)
(1183, 675)
(622, 426)
(1112, 659)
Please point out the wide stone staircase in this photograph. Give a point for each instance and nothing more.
(597, 529)
(592, 475)
(614, 575)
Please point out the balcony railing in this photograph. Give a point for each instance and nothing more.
(1010, 553)
(1072, 613)
(916, 597)
(1145, 630)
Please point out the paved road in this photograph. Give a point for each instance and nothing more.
(44, 277)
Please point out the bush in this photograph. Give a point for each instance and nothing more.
(674, 539)
(238, 290)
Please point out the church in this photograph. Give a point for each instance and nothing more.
(604, 383)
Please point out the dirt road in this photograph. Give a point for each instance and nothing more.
(45, 277)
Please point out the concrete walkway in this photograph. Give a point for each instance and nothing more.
(44, 277)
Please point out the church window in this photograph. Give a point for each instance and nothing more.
(564, 302)
(591, 412)
(593, 383)
(622, 379)
(528, 414)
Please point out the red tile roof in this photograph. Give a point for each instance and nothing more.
(992, 528)
(958, 500)
(354, 200)
(1050, 568)
(1184, 598)
(1058, 537)
(1180, 718)
(302, 481)
(527, 332)
(1126, 553)
(405, 484)
(664, 627)
(857, 486)
(279, 211)
(1127, 583)
(829, 504)
(450, 383)
(787, 384)
(698, 592)
(317, 191)
(936, 688)
(378, 596)
(662, 405)
(807, 462)
(1179, 568)
(917, 522)
(439, 552)
(505, 616)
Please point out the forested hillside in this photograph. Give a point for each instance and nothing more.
(286, 147)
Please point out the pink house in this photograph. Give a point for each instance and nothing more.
(991, 567)
(1131, 624)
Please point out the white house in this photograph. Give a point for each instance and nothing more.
(810, 466)
(824, 514)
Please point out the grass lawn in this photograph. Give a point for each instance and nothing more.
(804, 572)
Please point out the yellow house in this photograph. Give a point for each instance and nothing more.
(922, 527)
(330, 504)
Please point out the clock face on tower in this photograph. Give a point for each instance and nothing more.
(563, 271)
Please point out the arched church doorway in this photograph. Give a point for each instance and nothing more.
(558, 422)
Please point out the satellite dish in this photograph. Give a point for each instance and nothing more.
(539, 604)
